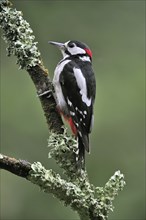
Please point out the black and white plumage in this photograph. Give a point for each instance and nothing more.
(75, 89)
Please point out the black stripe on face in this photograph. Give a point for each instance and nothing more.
(67, 52)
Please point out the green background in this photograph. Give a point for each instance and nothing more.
(114, 30)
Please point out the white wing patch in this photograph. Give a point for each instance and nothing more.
(58, 90)
(82, 85)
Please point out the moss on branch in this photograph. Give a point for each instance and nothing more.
(19, 36)
(98, 199)
(90, 202)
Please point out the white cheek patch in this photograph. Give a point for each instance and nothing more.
(82, 85)
(76, 50)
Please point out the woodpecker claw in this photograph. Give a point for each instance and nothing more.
(44, 93)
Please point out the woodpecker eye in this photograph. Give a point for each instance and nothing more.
(71, 45)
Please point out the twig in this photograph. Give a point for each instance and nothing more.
(18, 167)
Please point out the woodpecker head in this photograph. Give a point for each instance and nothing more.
(73, 48)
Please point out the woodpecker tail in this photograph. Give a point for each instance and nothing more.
(83, 143)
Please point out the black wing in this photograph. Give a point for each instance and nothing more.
(79, 111)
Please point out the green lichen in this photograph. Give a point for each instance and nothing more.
(82, 201)
(115, 184)
(107, 194)
(64, 149)
(50, 182)
(19, 36)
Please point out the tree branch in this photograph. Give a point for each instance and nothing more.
(44, 90)
(18, 35)
(80, 199)
(18, 167)
(90, 202)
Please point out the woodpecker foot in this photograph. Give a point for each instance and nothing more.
(47, 92)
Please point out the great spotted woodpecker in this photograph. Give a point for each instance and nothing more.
(75, 88)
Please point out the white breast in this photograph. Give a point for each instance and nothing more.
(58, 90)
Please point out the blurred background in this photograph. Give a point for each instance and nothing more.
(114, 30)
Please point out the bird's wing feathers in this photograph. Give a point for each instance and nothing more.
(80, 106)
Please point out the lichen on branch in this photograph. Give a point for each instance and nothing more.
(63, 148)
(82, 201)
(67, 192)
(94, 204)
(19, 36)
(20, 39)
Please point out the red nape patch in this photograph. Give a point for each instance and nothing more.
(72, 125)
(89, 52)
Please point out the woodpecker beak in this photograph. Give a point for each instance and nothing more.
(59, 45)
